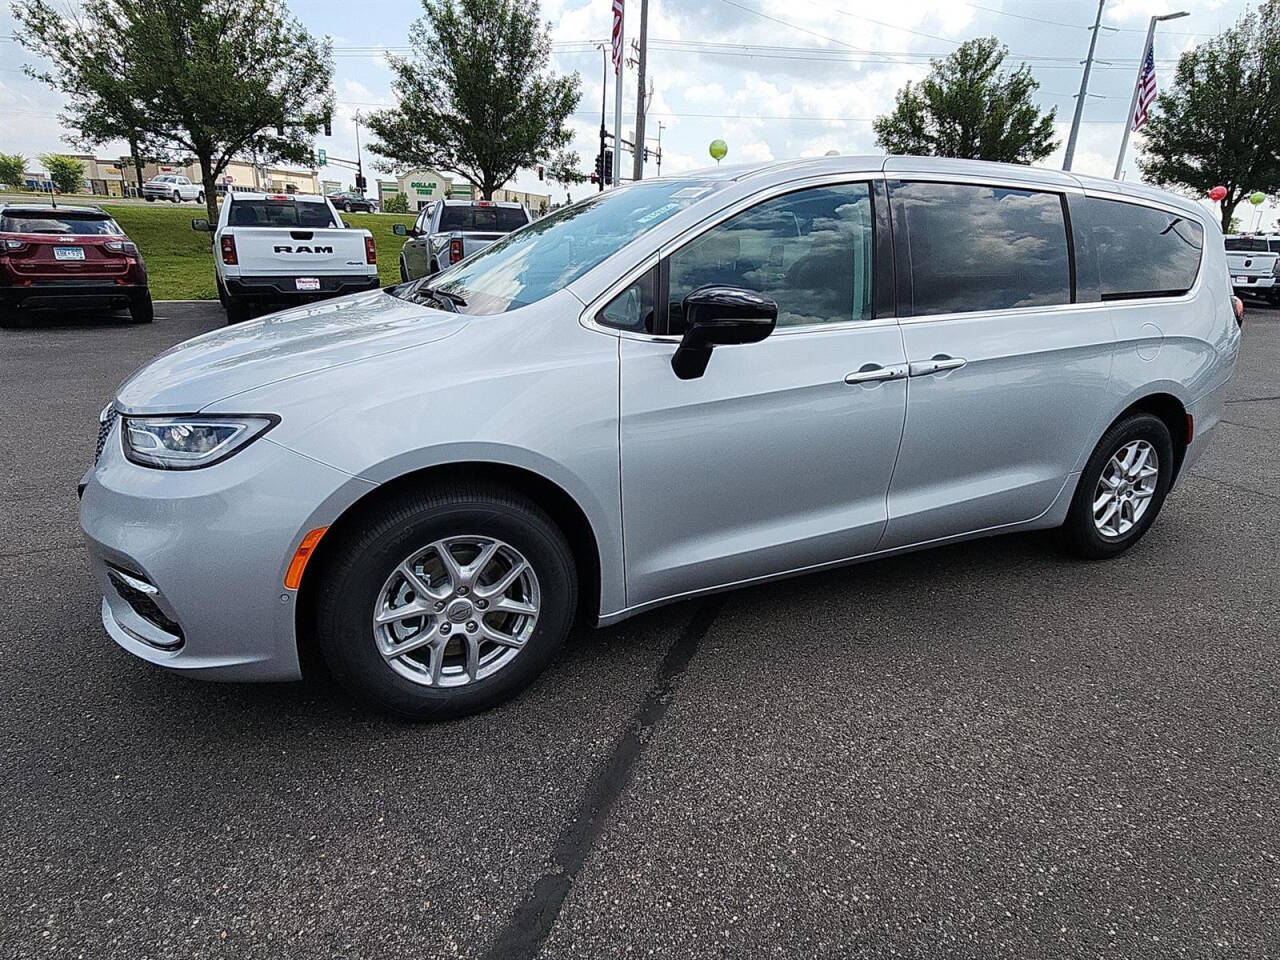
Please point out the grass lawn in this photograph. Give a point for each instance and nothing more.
(180, 261)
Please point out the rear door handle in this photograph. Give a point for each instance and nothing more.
(923, 368)
(873, 372)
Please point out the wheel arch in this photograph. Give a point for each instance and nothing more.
(1172, 411)
(552, 497)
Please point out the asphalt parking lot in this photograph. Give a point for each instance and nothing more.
(983, 751)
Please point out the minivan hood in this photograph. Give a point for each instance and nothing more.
(303, 340)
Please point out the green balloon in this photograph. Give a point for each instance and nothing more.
(718, 149)
(1257, 198)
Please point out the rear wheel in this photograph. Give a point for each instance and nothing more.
(177, 197)
(200, 197)
(150, 199)
(237, 310)
(445, 602)
(141, 309)
(1121, 489)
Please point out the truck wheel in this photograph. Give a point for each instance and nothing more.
(200, 197)
(177, 197)
(237, 310)
(141, 309)
(150, 199)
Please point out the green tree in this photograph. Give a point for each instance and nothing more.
(67, 173)
(563, 167)
(1219, 121)
(969, 107)
(206, 78)
(396, 204)
(12, 168)
(476, 96)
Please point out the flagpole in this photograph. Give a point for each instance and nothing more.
(621, 48)
(1137, 83)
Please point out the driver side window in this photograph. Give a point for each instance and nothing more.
(811, 251)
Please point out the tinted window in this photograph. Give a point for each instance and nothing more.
(280, 213)
(811, 251)
(1248, 244)
(1142, 252)
(66, 223)
(525, 266)
(974, 247)
(482, 219)
(632, 309)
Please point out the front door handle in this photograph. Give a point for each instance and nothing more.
(873, 372)
(940, 362)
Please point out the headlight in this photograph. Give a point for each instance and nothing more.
(187, 443)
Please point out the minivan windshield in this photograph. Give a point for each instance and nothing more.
(537, 260)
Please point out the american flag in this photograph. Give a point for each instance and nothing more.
(1146, 89)
(617, 36)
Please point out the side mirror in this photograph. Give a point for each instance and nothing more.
(201, 225)
(716, 316)
(399, 229)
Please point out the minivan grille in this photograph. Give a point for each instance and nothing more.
(105, 422)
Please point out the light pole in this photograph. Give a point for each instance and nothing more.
(1133, 103)
(1084, 90)
(604, 93)
(660, 126)
(620, 12)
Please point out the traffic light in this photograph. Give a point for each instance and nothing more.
(361, 182)
(328, 126)
(598, 177)
(608, 167)
(542, 172)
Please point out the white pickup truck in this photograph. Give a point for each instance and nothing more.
(1254, 262)
(283, 249)
(449, 230)
(172, 186)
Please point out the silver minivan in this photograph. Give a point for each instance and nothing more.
(684, 385)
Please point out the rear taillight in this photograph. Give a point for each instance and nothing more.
(370, 251)
(455, 249)
(229, 249)
(121, 246)
(1237, 307)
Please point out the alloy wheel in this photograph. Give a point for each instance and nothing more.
(456, 611)
(1125, 489)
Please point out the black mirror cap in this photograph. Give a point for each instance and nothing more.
(399, 229)
(201, 225)
(720, 316)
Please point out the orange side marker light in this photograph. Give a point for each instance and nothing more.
(300, 557)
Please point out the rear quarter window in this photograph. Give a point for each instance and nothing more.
(1141, 251)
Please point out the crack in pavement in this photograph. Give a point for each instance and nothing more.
(528, 929)
(1235, 486)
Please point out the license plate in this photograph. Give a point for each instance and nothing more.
(68, 253)
(307, 283)
(1239, 279)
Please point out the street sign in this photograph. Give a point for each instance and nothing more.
(322, 156)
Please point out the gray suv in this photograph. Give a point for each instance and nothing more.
(680, 386)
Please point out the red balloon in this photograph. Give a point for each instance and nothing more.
(1217, 193)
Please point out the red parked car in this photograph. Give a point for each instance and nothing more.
(60, 257)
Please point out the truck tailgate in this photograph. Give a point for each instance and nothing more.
(275, 251)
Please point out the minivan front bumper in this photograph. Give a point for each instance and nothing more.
(191, 564)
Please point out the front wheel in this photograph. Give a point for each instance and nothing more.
(346, 207)
(200, 197)
(177, 197)
(150, 199)
(1121, 489)
(445, 603)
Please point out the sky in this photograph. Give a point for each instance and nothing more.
(776, 79)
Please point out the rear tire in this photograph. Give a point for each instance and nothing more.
(360, 574)
(238, 311)
(177, 197)
(150, 199)
(200, 197)
(141, 309)
(1148, 438)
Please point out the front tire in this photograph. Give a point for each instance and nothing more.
(200, 197)
(177, 197)
(346, 207)
(417, 634)
(150, 199)
(1121, 489)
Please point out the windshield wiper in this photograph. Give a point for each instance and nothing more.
(453, 298)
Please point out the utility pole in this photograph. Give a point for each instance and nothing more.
(620, 11)
(1133, 103)
(637, 167)
(1084, 89)
(360, 182)
(604, 93)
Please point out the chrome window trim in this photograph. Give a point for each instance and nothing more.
(694, 231)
